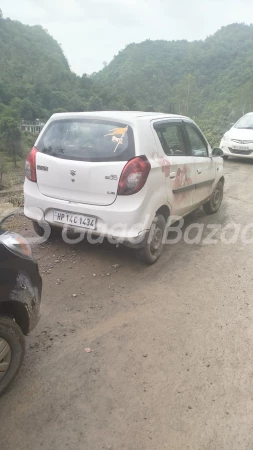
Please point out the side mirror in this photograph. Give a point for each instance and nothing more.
(217, 152)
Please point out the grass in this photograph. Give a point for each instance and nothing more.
(14, 176)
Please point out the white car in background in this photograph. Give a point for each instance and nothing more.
(121, 175)
(238, 141)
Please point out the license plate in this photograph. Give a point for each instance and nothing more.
(75, 220)
(240, 147)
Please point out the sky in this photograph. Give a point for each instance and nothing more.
(92, 32)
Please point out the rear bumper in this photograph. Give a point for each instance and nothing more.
(120, 221)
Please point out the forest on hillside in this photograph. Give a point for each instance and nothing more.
(211, 81)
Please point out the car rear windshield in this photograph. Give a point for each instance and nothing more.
(246, 122)
(88, 140)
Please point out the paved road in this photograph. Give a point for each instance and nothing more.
(171, 365)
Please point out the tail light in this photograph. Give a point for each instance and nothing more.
(30, 165)
(134, 176)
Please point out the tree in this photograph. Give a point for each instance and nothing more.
(3, 168)
(95, 103)
(185, 95)
(11, 136)
(1, 14)
(59, 110)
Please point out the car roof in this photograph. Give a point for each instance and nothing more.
(117, 115)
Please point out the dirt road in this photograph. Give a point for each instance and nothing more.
(171, 365)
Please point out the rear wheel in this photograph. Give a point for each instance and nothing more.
(12, 350)
(153, 248)
(225, 157)
(215, 201)
(40, 231)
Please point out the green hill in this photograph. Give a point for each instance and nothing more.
(35, 78)
(211, 80)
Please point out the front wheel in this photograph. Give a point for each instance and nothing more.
(153, 248)
(12, 350)
(215, 201)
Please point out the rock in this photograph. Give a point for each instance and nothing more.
(74, 295)
(116, 266)
(108, 274)
(94, 275)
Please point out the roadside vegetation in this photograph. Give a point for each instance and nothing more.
(211, 81)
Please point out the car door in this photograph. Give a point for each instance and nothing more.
(180, 171)
(203, 161)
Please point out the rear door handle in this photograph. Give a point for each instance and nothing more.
(199, 171)
(173, 175)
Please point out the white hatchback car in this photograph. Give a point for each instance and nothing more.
(121, 175)
(238, 141)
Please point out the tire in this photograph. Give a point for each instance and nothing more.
(12, 341)
(225, 157)
(38, 229)
(153, 248)
(54, 231)
(215, 201)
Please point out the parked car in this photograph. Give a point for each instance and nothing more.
(20, 295)
(121, 174)
(238, 141)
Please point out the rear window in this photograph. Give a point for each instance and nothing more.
(88, 140)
